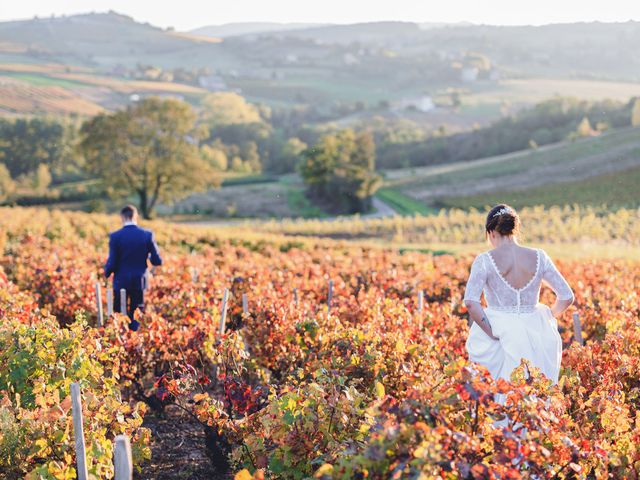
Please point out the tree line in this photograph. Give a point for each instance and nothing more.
(159, 150)
(547, 122)
(162, 149)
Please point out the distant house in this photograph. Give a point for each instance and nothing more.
(350, 59)
(136, 97)
(469, 74)
(422, 104)
(213, 83)
(119, 71)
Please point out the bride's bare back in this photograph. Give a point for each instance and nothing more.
(516, 264)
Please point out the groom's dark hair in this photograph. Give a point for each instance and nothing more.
(128, 212)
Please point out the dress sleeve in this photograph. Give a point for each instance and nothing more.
(554, 278)
(477, 280)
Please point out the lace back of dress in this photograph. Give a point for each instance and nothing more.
(503, 296)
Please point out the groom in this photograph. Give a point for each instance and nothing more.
(129, 249)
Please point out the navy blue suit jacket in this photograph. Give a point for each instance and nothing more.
(129, 249)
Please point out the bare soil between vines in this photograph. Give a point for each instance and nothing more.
(177, 449)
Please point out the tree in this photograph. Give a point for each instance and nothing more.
(215, 156)
(27, 143)
(635, 113)
(584, 128)
(41, 179)
(290, 155)
(249, 152)
(237, 165)
(7, 185)
(228, 108)
(340, 171)
(150, 150)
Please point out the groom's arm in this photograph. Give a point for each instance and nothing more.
(110, 266)
(154, 253)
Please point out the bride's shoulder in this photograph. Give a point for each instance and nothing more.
(480, 257)
(543, 257)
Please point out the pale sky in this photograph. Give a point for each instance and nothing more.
(188, 14)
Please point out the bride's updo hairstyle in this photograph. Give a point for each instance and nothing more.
(504, 220)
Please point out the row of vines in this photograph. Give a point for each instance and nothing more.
(374, 388)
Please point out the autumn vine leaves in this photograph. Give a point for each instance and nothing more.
(376, 389)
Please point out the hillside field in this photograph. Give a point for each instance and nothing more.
(592, 171)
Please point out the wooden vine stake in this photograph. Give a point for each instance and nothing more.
(123, 301)
(577, 329)
(99, 303)
(421, 308)
(295, 296)
(245, 303)
(78, 432)
(223, 313)
(109, 302)
(329, 297)
(122, 459)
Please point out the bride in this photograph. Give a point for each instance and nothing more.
(514, 324)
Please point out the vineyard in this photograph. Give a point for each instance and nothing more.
(336, 367)
(560, 225)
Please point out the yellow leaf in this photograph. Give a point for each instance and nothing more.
(243, 475)
(326, 469)
(379, 390)
(199, 397)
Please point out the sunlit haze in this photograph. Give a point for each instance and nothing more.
(189, 14)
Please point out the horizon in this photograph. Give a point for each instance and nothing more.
(280, 12)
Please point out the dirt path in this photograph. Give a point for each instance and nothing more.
(177, 449)
(381, 209)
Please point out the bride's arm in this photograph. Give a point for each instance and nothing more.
(472, 293)
(559, 306)
(564, 294)
(477, 315)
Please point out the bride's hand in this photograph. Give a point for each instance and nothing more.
(486, 327)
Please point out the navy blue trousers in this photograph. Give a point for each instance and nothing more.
(135, 301)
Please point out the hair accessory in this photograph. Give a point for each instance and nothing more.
(502, 211)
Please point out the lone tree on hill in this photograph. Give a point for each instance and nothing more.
(340, 171)
(635, 113)
(150, 150)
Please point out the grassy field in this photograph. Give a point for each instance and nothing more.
(251, 196)
(534, 90)
(56, 89)
(619, 189)
(17, 97)
(43, 80)
(403, 204)
(301, 205)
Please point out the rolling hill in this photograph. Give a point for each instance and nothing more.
(383, 68)
(249, 28)
(92, 39)
(592, 171)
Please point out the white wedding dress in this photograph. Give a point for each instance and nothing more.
(525, 327)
